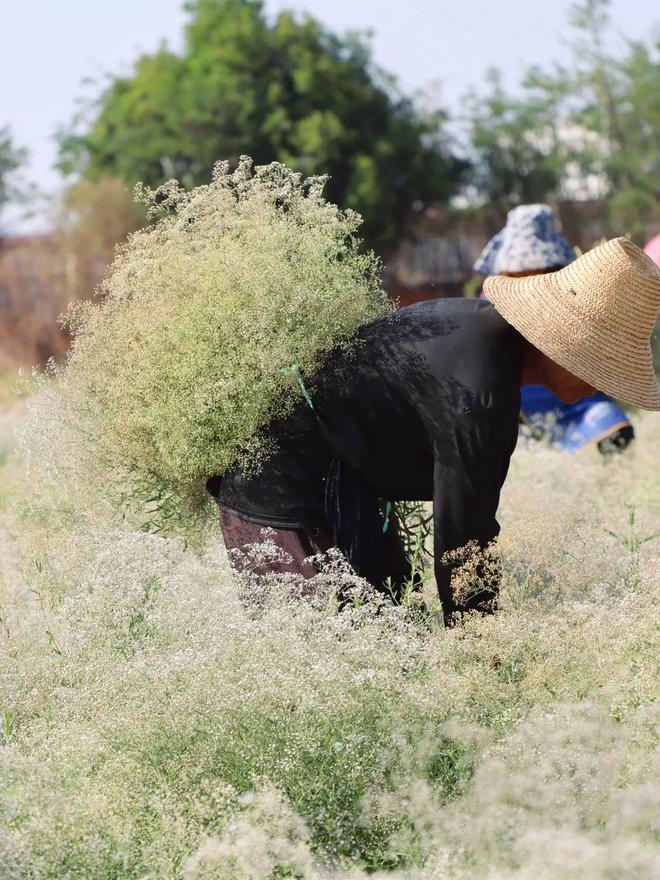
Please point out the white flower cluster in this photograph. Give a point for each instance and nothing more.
(185, 359)
(160, 718)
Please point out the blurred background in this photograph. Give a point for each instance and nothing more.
(432, 118)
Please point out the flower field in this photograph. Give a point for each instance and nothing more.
(162, 720)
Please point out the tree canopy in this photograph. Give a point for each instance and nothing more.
(288, 89)
(12, 158)
(285, 89)
(587, 128)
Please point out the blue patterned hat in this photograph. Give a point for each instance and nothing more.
(528, 241)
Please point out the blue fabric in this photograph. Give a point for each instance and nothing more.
(528, 242)
(570, 426)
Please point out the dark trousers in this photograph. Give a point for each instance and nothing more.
(391, 571)
(354, 523)
(299, 544)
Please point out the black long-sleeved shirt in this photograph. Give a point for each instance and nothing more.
(425, 408)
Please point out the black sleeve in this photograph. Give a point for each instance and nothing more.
(467, 485)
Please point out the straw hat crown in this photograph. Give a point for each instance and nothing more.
(594, 317)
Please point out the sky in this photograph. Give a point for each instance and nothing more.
(50, 48)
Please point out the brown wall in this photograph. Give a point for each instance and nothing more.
(436, 259)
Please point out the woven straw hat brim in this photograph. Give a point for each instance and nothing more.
(594, 318)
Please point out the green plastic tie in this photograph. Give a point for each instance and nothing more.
(295, 369)
(388, 511)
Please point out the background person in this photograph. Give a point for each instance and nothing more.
(652, 248)
(530, 244)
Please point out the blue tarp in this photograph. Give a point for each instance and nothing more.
(570, 426)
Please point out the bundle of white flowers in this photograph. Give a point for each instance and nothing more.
(203, 324)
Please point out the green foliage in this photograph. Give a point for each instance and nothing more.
(175, 373)
(509, 137)
(615, 100)
(633, 540)
(587, 128)
(414, 521)
(286, 90)
(11, 159)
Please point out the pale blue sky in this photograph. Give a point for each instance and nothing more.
(50, 46)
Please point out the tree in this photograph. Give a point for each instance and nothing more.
(286, 90)
(11, 159)
(90, 219)
(618, 101)
(512, 146)
(591, 127)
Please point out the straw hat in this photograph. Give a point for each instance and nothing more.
(594, 317)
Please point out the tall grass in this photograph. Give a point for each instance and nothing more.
(162, 719)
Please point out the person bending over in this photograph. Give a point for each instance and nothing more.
(425, 407)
